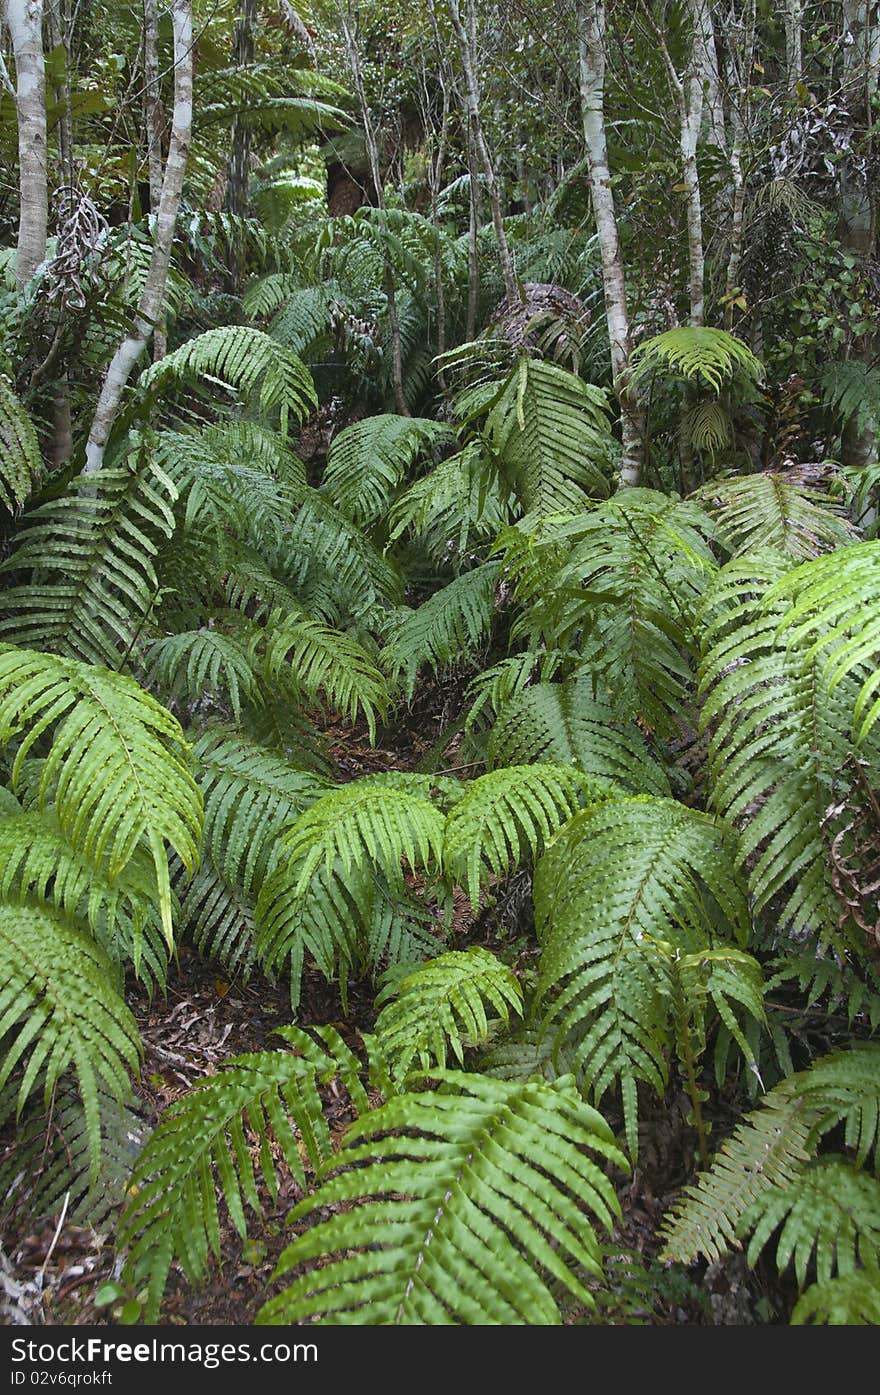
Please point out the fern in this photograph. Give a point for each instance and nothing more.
(485, 1186)
(115, 770)
(565, 722)
(832, 605)
(20, 460)
(771, 510)
(506, 815)
(368, 459)
(196, 665)
(323, 661)
(270, 1097)
(622, 874)
(243, 359)
(457, 505)
(698, 353)
(91, 557)
(851, 1300)
(830, 1211)
(852, 390)
(445, 629)
(58, 1011)
(442, 1005)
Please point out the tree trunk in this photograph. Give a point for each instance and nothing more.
(467, 52)
(24, 19)
(591, 62)
(238, 171)
(153, 117)
(150, 308)
(794, 48)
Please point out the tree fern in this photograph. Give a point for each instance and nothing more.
(20, 460)
(368, 459)
(240, 358)
(565, 722)
(486, 1186)
(771, 510)
(509, 814)
(268, 1099)
(441, 1006)
(622, 874)
(58, 1011)
(832, 606)
(115, 770)
(446, 628)
(91, 558)
(701, 354)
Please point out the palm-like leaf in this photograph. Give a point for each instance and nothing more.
(20, 458)
(699, 353)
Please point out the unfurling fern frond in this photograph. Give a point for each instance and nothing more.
(464, 1198)
(771, 510)
(834, 616)
(509, 814)
(851, 1300)
(20, 458)
(368, 459)
(268, 1099)
(442, 1005)
(115, 770)
(552, 434)
(58, 1011)
(620, 875)
(770, 1149)
(324, 662)
(243, 359)
(699, 353)
(445, 629)
(830, 1212)
(91, 557)
(565, 722)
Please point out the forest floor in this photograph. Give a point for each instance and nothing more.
(51, 1272)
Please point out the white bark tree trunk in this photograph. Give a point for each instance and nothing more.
(591, 64)
(151, 305)
(24, 19)
(794, 43)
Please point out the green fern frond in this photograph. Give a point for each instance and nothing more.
(829, 1211)
(461, 502)
(59, 1011)
(241, 359)
(852, 390)
(708, 425)
(321, 536)
(565, 722)
(115, 771)
(619, 875)
(552, 435)
(368, 459)
(832, 605)
(250, 794)
(770, 510)
(268, 294)
(219, 918)
(711, 356)
(20, 460)
(324, 662)
(507, 815)
(197, 664)
(91, 557)
(485, 1187)
(445, 629)
(442, 1005)
(268, 1099)
(850, 1300)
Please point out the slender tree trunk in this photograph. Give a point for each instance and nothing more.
(473, 245)
(591, 62)
(154, 121)
(238, 171)
(467, 53)
(24, 19)
(150, 308)
(354, 60)
(740, 57)
(794, 44)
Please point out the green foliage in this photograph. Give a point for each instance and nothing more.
(58, 1010)
(771, 510)
(444, 630)
(20, 460)
(850, 1300)
(367, 461)
(852, 390)
(621, 876)
(829, 1213)
(237, 1125)
(442, 1005)
(699, 354)
(322, 661)
(114, 772)
(442, 1181)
